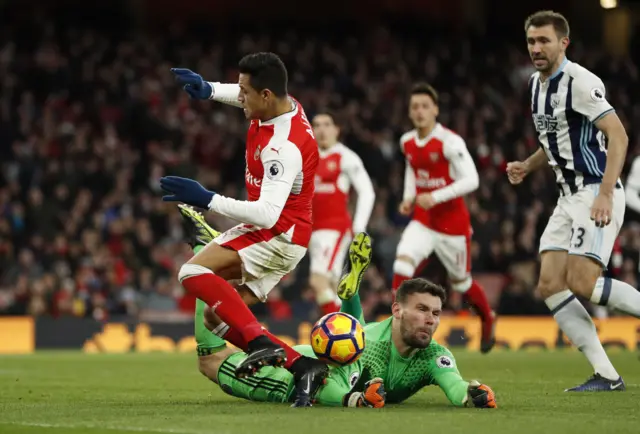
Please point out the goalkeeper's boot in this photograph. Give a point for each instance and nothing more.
(260, 352)
(308, 375)
(360, 253)
(488, 339)
(197, 230)
(597, 383)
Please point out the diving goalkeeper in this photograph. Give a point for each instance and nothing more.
(218, 362)
(406, 364)
(400, 350)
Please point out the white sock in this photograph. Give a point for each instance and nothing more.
(575, 322)
(618, 295)
(328, 296)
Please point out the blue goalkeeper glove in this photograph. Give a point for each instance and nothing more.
(185, 190)
(193, 83)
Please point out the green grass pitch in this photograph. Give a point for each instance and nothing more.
(164, 393)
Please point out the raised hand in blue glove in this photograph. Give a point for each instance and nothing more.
(193, 83)
(185, 190)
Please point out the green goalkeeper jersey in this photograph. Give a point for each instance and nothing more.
(404, 376)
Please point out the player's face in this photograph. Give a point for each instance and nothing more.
(255, 103)
(545, 48)
(422, 111)
(325, 130)
(419, 319)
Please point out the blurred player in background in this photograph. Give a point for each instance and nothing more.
(339, 169)
(281, 161)
(575, 123)
(400, 350)
(439, 173)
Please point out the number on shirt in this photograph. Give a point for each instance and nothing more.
(579, 237)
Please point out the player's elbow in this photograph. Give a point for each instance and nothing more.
(268, 215)
(474, 182)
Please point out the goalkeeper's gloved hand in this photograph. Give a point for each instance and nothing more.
(374, 395)
(193, 83)
(480, 395)
(185, 190)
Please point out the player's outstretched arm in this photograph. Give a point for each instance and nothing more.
(198, 88)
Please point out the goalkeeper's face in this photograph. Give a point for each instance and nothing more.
(419, 318)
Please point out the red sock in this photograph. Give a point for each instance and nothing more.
(226, 302)
(330, 307)
(236, 339)
(478, 299)
(292, 355)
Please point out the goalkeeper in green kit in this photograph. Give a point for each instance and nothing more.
(399, 359)
(400, 350)
(218, 362)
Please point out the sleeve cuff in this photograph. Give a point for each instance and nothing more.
(603, 114)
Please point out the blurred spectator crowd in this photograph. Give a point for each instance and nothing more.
(89, 122)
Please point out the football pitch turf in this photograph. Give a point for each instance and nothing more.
(164, 393)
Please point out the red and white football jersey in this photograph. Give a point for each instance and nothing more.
(339, 169)
(282, 157)
(440, 164)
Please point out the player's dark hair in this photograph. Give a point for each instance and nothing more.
(267, 71)
(548, 18)
(329, 113)
(425, 89)
(419, 286)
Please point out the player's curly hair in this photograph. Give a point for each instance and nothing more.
(419, 286)
(266, 71)
(425, 89)
(548, 18)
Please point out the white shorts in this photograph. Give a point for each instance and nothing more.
(418, 242)
(571, 229)
(328, 250)
(266, 259)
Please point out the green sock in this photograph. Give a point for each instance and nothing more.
(208, 343)
(353, 308)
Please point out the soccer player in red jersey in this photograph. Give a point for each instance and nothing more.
(439, 173)
(339, 170)
(281, 161)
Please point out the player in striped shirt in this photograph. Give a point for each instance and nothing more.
(584, 142)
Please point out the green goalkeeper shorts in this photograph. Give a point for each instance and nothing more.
(267, 385)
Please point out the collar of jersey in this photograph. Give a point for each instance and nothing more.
(557, 72)
(283, 117)
(421, 142)
(332, 150)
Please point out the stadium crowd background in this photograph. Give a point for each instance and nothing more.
(90, 119)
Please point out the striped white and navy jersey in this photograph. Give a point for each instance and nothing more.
(564, 108)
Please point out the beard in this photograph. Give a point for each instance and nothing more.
(411, 337)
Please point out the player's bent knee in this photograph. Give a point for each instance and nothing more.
(462, 285)
(582, 276)
(189, 270)
(549, 287)
(247, 295)
(404, 266)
